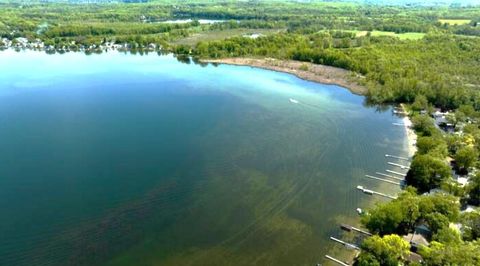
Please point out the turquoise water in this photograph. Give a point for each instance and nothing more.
(119, 159)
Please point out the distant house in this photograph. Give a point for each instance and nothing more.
(469, 208)
(418, 237)
(442, 122)
(439, 113)
(416, 240)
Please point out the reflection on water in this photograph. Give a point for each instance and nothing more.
(121, 159)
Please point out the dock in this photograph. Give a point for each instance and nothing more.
(350, 228)
(397, 173)
(397, 157)
(371, 192)
(337, 261)
(383, 180)
(399, 165)
(398, 124)
(346, 244)
(390, 176)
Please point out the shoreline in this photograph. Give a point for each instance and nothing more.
(304, 70)
(410, 134)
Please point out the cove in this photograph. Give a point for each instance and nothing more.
(118, 159)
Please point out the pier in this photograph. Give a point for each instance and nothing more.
(390, 176)
(399, 165)
(397, 157)
(371, 192)
(398, 124)
(350, 228)
(346, 244)
(397, 173)
(337, 261)
(383, 180)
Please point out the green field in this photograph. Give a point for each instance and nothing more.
(454, 21)
(223, 34)
(401, 36)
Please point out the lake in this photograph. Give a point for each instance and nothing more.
(119, 159)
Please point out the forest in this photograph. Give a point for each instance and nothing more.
(427, 58)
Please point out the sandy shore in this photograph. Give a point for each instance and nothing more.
(303, 70)
(411, 136)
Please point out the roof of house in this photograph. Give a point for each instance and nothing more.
(416, 239)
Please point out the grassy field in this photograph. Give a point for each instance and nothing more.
(401, 36)
(222, 34)
(455, 21)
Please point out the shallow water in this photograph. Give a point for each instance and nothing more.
(125, 159)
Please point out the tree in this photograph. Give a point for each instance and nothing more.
(420, 103)
(423, 125)
(447, 235)
(387, 250)
(474, 190)
(439, 254)
(465, 157)
(395, 217)
(444, 204)
(436, 221)
(471, 222)
(427, 172)
(435, 146)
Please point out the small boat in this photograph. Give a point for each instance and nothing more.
(294, 101)
(359, 211)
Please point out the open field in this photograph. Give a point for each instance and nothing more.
(455, 21)
(401, 36)
(222, 34)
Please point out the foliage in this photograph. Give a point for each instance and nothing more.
(463, 253)
(400, 216)
(427, 172)
(465, 157)
(386, 250)
(473, 190)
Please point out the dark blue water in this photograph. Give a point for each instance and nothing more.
(142, 160)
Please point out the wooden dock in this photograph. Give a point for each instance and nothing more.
(350, 228)
(397, 157)
(346, 244)
(371, 192)
(397, 173)
(399, 165)
(383, 180)
(337, 261)
(390, 176)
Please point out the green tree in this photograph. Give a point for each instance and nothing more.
(434, 146)
(473, 189)
(436, 221)
(395, 217)
(463, 253)
(387, 250)
(465, 157)
(420, 103)
(471, 223)
(427, 172)
(423, 125)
